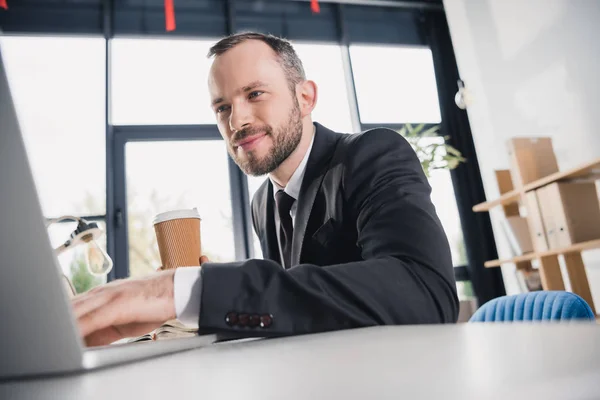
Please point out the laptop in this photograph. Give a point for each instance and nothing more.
(39, 335)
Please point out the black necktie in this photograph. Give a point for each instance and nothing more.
(286, 229)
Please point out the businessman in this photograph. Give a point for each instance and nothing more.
(346, 224)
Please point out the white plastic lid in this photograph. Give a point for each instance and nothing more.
(176, 214)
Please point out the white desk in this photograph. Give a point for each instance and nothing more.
(469, 361)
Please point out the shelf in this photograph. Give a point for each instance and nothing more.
(592, 244)
(506, 198)
(588, 171)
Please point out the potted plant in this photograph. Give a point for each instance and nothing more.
(431, 148)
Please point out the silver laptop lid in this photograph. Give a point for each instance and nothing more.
(38, 329)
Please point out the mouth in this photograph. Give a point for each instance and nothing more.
(250, 142)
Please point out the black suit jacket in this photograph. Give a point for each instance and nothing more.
(368, 248)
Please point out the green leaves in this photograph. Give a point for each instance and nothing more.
(431, 148)
(80, 276)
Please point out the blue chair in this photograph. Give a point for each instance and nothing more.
(535, 306)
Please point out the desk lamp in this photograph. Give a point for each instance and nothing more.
(97, 260)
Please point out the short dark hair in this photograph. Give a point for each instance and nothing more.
(286, 55)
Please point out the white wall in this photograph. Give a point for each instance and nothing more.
(533, 67)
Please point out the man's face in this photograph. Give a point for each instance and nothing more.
(257, 114)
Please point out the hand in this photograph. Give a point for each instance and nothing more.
(125, 308)
(203, 259)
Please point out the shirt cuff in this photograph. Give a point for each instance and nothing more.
(187, 290)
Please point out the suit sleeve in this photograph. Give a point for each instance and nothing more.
(406, 276)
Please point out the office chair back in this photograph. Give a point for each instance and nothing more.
(535, 306)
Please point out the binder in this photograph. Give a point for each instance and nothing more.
(535, 222)
(548, 207)
(518, 235)
(570, 212)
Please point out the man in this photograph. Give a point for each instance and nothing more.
(346, 224)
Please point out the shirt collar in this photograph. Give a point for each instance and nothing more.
(295, 182)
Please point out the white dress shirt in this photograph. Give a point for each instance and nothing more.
(187, 285)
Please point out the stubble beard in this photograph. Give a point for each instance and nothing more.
(285, 140)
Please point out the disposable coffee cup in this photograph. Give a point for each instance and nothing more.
(178, 237)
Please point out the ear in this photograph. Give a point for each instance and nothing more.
(306, 93)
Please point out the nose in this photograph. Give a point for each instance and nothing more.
(240, 116)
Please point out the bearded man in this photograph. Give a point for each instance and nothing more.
(348, 231)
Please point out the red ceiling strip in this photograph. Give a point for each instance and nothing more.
(314, 6)
(169, 15)
(3, 4)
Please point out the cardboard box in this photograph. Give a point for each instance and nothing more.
(531, 159)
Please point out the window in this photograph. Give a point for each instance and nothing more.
(323, 64)
(395, 84)
(164, 176)
(160, 82)
(58, 89)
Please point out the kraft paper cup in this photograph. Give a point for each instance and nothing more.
(178, 237)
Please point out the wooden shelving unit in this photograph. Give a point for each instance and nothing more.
(549, 266)
(586, 172)
(592, 244)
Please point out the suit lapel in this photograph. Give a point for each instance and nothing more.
(316, 168)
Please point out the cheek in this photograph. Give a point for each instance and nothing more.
(272, 112)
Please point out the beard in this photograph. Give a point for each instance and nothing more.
(285, 140)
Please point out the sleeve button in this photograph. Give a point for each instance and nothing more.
(231, 318)
(266, 320)
(243, 319)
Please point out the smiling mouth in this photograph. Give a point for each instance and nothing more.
(249, 142)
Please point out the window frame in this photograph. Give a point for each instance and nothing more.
(117, 232)
(108, 21)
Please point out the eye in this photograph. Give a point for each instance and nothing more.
(222, 108)
(254, 94)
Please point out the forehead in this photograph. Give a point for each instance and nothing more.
(247, 62)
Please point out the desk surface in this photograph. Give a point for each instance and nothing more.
(467, 361)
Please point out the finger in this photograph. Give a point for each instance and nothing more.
(114, 333)
(147, 300)
(203, 260)
(90, 301)
(103, 337)
(96, 297)
(97, 319)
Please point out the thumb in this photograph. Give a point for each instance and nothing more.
(203, 259)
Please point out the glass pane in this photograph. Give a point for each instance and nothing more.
(73, 262)
(395, 84)
(254, 183)
(164, 176)
(465, 290)
(160, 82)
(323, 64)
(58, 88)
